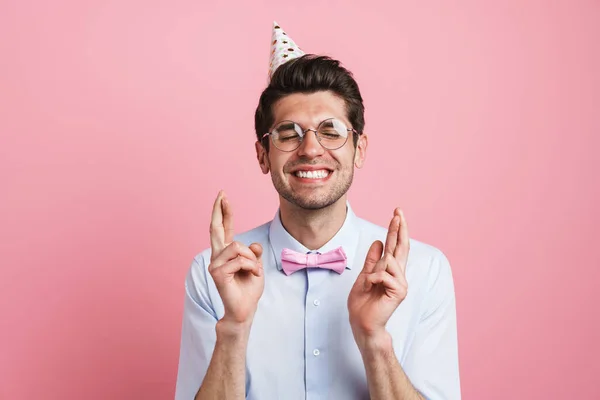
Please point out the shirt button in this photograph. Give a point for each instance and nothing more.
(316, 302)
(316, 352)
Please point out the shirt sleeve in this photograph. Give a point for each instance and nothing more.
(432, 360)
(198, 336)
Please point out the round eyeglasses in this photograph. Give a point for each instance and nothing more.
(331, 134)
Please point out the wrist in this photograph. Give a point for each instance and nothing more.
(374, 343)
(233, 330)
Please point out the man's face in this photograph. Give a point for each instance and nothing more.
(331, 171)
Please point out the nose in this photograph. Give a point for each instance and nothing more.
(310, 146)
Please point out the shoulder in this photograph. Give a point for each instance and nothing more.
(418, 249)
(424, 259)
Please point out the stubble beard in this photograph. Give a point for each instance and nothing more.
(315, 201)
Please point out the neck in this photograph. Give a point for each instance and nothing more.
(313, 228)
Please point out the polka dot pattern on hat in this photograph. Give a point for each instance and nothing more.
(283, 49)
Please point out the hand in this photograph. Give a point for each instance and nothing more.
(381, 286)
(236, 268)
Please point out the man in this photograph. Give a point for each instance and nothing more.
(317, 303)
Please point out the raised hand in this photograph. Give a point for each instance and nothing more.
(381, 286)
(236, 268)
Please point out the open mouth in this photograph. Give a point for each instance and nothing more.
(316, 174)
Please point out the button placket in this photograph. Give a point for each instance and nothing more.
(315, 339)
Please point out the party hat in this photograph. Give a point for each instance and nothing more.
(283, 49)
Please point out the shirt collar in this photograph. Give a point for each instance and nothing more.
(347, 237)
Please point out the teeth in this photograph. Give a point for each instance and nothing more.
(312, 174)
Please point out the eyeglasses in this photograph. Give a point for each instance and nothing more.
(331, 134)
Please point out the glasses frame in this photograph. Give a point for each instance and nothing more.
(304, 131)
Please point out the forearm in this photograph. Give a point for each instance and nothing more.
(385, 376)
(226, 374)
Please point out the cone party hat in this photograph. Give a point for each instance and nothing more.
(283, 49)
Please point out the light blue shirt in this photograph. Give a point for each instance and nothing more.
(301, 345)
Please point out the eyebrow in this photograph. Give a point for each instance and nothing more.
(285, 125)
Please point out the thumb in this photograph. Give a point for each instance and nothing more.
(257, 250)
(373, 256)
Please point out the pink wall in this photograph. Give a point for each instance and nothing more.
(117, 130)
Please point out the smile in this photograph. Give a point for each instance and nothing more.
(318, 174)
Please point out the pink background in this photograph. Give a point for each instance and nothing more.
(120, 121)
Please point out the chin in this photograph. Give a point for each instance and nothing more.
(313, 201)
(311, 204)
(312, 198)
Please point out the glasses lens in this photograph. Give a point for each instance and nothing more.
(287, 136)
(333, 133)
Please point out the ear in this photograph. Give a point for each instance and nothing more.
(361, 150)
(263, 157)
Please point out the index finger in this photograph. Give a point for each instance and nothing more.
(373, 256)
(217, 230)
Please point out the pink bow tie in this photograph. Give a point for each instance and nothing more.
(292, 261)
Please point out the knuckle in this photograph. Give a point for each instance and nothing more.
(212, 269)
(247, 262)
(213, 258)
